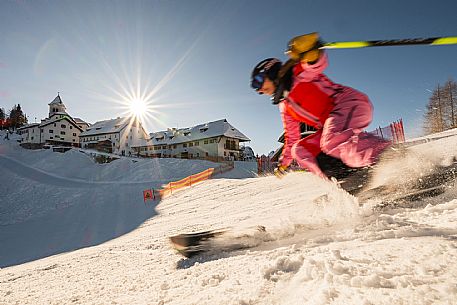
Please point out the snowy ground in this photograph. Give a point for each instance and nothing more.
(328, 248)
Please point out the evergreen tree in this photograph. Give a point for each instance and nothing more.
(17, 117)
(2, 119)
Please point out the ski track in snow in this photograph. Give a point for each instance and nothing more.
(326, 249)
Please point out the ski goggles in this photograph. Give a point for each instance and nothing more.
(257, 81)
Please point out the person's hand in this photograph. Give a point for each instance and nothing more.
(305, 48)
(280, 171)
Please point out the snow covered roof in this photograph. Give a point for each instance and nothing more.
(140, 142)
(80, 121)
(199, 132)
(66, 117)
(107, 126)
(28, 126)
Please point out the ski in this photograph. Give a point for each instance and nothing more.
(191, 244)
(218, 240)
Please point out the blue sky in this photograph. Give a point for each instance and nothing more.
(192, 59)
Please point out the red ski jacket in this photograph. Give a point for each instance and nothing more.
(311, 98)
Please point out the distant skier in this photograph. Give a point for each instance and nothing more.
(305, 94)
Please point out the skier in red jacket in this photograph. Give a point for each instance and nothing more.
(305, 94)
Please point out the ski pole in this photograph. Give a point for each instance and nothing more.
(392, 42)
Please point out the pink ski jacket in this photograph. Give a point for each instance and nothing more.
(311, 100)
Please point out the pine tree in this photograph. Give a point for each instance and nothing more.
(17, 117)
(2, 119)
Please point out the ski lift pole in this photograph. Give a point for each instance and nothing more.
(434, 41)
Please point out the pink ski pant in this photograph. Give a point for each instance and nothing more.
(342, 135)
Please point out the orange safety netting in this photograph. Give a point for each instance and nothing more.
(173, 186)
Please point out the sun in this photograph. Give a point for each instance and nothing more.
(138, 107)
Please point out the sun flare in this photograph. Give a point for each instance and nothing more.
(138, 107)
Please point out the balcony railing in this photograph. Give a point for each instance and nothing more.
(231, 147)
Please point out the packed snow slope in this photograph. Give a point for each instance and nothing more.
(327, 247)
(57, 202)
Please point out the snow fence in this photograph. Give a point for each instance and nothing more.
(173, 186)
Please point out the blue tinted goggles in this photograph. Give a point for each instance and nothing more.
(257, 81)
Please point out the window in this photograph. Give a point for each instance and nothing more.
(71, 127)
(55, 125)
(197, 143)
(74, 134)
(175, 146)
(62, 132)
(184, 145)
(51, 131)
(164, 147)
(191, 144)
(205, 142)
(63, 126)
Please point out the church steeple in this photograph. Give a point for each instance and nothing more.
(57, 106)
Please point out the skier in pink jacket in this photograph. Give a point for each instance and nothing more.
(305, 94)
